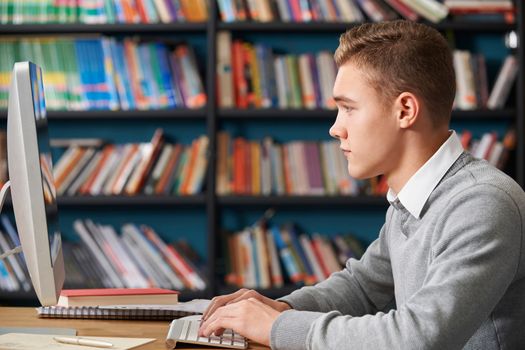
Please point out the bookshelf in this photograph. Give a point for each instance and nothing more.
(211, 206)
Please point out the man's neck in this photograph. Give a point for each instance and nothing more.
(416, 152)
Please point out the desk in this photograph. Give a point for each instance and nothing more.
(27, 317)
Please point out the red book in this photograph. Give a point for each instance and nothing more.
(117, 296)
(239, 79)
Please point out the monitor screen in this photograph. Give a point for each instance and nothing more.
(46, 164)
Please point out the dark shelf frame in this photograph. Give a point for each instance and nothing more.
(30, 299)
(302, 27)
(117, 28)
(138, 200)
(276, 201)
(275, 113)
(161, 114)
(211, 115)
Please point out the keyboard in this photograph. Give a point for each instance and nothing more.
(185, 330)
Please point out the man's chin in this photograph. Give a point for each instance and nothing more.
(360, 174)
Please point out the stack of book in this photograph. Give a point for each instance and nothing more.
(154, 167)
(360, 10)
(253, 76)
(490, 146)
(103, 11)
(135, 258)
(106, 73)
(265, 257)
(265, 168)
(472, 84)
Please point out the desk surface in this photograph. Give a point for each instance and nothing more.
(27, 317)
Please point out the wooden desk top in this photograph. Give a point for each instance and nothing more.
(27, 317)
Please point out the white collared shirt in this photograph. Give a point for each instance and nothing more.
(416, 191)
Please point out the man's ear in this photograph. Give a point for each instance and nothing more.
(407, 109)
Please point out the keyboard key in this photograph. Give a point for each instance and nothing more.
(203, 340)
(215, 340)
(227, 339)
(184, 332)
(193, 333)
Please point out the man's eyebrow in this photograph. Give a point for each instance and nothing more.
(343, 99)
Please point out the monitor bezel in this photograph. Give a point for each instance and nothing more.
(27, 192)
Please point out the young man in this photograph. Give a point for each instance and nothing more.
(450, 253)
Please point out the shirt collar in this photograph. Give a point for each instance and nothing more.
(416, 191)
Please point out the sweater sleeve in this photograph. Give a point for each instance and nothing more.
(364, 286)
(474, 258)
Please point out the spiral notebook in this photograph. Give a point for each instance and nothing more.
(126, 312)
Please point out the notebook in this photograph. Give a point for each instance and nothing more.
(185, 330)
(126, 312)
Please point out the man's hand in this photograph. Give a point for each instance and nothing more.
(242, 294)
(249, 317)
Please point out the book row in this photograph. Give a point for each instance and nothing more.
(472, 88)
(155, 167)
(490, 146)
(360, 10)
(106, 73)
(251, 75)
(134, 258)
(244, 167)
(265, 167)
(264, 256)
(103, 11)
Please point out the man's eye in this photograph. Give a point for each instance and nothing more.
(347, 109)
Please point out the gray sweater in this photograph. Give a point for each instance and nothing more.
(456, 275)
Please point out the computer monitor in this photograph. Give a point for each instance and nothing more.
(33, 192)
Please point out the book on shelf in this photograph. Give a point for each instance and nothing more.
(294, 168)
(482, 9)
(14, 275)
(473, 91)
(253, 76)
(105, 73)
(137, 258)
(3, 157)
(154, 167)
(117, 296)
(490, 146)
(266, 255)
(103, 11)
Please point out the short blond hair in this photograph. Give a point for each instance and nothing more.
(401, 56)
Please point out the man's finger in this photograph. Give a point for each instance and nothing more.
(219, 324)
(220, 301)
(247, 294)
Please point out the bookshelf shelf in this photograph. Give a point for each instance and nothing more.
(164, 114)
(239, 114)
(368, 201)
(270, 292)
(139, 200)
(29, 298)
(269, 113)
(342, 26)
(118, 28)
